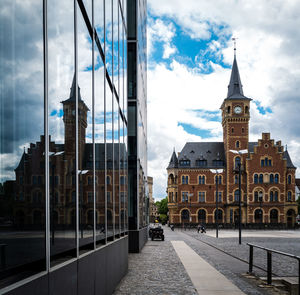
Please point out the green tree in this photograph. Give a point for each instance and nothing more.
(162, 206)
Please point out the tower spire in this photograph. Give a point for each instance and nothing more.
(235, 87)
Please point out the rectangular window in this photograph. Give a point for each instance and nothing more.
(262, 163)
(220, 196)
(201, 197)
(185, 197)
(90, 197)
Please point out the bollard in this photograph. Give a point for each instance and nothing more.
(251, 259)
(2, 255)
(269, 267)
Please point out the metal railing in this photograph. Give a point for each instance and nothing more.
(269, 261)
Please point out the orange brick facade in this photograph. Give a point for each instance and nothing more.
(267, 174)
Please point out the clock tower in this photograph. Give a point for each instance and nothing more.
(69, 118)
(235, 122)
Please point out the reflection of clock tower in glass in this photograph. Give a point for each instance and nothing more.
(235, 119)
(69, 118)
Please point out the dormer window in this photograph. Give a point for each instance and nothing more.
(218, 163)
(201, 163)
(185, 163)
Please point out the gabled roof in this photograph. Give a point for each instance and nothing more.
(208, 151)
(235, 87)
(174, 161)
(286, 155)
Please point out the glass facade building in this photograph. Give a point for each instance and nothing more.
(64, 145)
(138, 198)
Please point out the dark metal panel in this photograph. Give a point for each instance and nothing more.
(36, 287)
(64, 280)
(86, 275)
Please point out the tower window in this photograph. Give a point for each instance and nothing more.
(243, 130)
(289, 179)
(232, 130)
(228, 109)
(246, 110)
(255, 178)
(237, 144)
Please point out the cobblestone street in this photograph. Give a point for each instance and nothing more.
(158, 269)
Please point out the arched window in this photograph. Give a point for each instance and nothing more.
(289, 196)
(276, 178)
(258, 215)
(266, 162)
(185, 215)
(218, 179)
(228, 109)
(271, 196)
(219, 215)
(256, 196)
(243, 130)
(261, 178)
(185, 179)
(274, 216)
(255, 178)
(232, 130)
(201, 179)
(237, 144)
(237, 161)
(289, 179)
(236, 195)
(276, 196)
(246, 109)
(271, 178)
(202, 216)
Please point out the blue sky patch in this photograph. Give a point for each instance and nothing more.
(194, 53)
(195, 131)
(262, 110)
(209, 115)
(59, 113)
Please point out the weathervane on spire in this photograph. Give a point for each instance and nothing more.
(234, 42)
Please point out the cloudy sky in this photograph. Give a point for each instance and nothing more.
(190, 53)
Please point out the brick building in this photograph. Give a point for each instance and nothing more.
(267, 173)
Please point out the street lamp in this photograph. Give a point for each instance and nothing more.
(240, 152)
(217, 172)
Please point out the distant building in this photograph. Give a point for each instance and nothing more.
(153, 213)
(267, 173)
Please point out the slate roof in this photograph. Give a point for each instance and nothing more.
(209, 151)
(235, 87)
(73, 92)
(174, 161)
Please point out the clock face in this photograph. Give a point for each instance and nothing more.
(238, 110)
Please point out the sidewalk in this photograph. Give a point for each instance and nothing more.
(179, 266)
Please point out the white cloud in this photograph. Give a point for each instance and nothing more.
(268, 60)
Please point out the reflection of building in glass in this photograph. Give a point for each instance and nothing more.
(138, 202)
(63, 164)
(267, 174)
(153, 213)
(29, 193)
